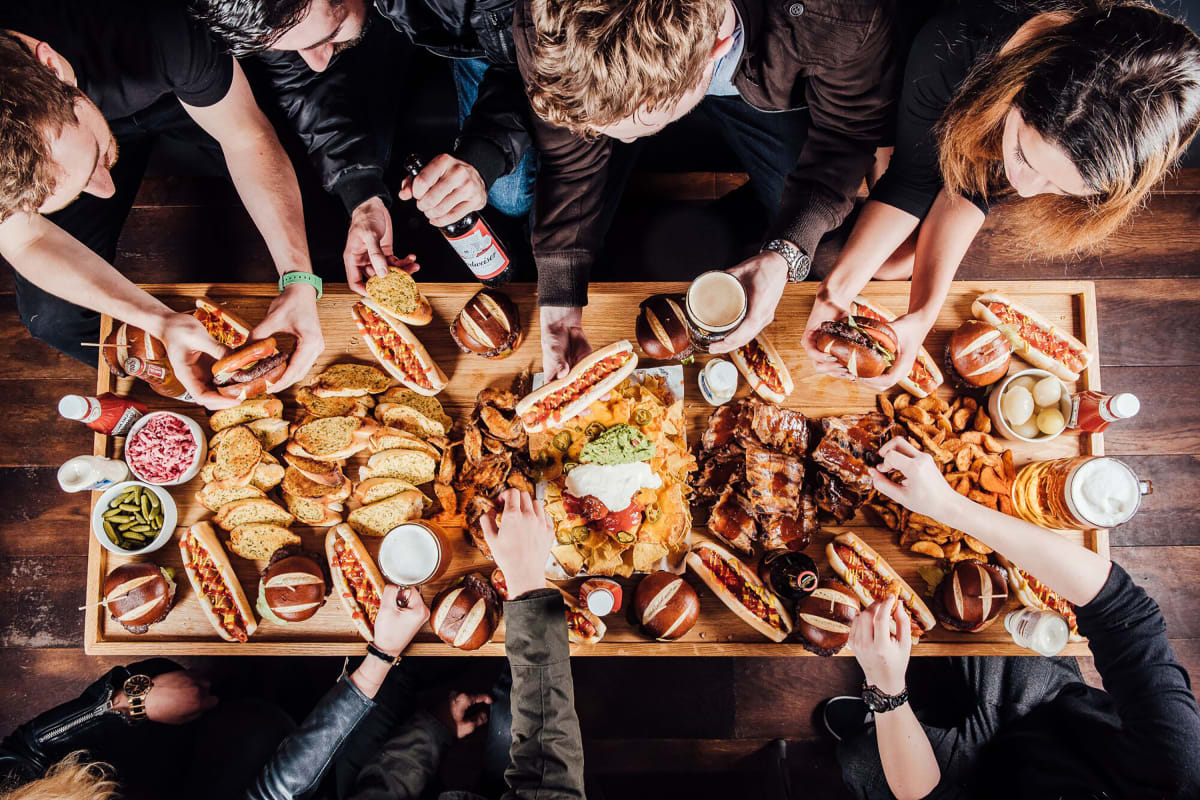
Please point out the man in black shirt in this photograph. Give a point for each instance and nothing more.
(302, 45)
(88, 88)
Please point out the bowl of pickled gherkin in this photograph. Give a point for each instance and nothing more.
(134, 518)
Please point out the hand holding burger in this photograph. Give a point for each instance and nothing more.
(294, 313)
(250, 371)
(521, 541)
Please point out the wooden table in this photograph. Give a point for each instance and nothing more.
(610, 316)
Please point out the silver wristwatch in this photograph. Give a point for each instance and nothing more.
(798, 261)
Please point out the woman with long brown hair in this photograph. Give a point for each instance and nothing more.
(1066, 112)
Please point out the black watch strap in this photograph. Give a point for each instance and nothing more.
(382, 656)
(879, 701)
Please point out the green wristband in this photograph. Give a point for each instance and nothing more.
(288, 278)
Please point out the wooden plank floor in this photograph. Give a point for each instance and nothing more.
(651, 725)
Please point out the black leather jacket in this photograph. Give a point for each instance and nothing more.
(328, 109)
(85, 723)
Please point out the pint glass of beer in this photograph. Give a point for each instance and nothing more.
(715, 304)
(414, 553)
(1078, 493)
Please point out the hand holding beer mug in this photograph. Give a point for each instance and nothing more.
(521, 541)
(764, 277)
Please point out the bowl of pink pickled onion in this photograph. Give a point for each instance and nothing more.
(165, 448)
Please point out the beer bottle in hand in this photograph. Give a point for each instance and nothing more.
(472, 238)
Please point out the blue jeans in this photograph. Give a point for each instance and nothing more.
(511, 194)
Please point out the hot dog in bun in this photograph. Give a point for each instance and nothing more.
(1034, 594)
(250, 371)
(1037, 340)
(398, 350)
(583, 627)
(924, 378)
(215, 583)
(356, 579)
(865, 346)
(593, 377)
(764, 369)
(222, 324)
(739, 588)
(871, 578)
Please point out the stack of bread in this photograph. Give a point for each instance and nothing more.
(239, 473)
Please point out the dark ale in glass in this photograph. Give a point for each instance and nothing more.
(474, 241)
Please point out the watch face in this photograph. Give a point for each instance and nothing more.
(137, 685)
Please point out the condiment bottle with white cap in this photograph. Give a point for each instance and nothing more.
(718, 381)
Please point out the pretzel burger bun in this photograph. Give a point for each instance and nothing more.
(466, 614)
(489, 325)
(292, 588)
(250, 371)
(661, 331)
(979, 352)
(665, 605)
(823, 618)
(864, 345)
(139, 594)
(970, 597)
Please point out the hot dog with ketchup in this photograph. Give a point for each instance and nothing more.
(562, 400)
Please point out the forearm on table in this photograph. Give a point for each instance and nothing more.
(879, 231)
(266, 182)
(60, 264)
(909, 764)
(1075, 572)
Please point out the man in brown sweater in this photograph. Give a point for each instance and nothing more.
(606, 70)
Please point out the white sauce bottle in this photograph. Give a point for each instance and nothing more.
(90, 473)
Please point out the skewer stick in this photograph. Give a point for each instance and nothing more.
(97, 344)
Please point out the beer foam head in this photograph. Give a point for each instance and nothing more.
(409, 554)
(1105, 492)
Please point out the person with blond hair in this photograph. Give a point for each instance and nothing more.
(1065, 112)
(802, 91)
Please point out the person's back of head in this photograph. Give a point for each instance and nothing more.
(249, 26)
(1116, 87)
(596, 62)
(73, 778)
(36, 106)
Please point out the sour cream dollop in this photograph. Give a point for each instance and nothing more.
(612, 484)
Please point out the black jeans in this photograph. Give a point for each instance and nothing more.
(97, 222)
(1002, 689)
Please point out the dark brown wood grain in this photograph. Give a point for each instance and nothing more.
(1152, 323)
(30, 428)
(1169, 516)
(37, 518)
(1169, 421)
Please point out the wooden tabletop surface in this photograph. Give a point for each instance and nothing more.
(609, 317)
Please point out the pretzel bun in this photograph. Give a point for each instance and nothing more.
(980, 353)
(488, 325)
(139, 594)
(970, 597)
(661, 331)
(665, 605)
(823, 618)
(466, 615)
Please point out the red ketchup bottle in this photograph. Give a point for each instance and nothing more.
(1093, 412)
(108, 414)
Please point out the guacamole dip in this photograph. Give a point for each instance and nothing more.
(620, 444)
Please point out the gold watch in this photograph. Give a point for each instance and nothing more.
(137, 688)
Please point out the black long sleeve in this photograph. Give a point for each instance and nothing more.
(1139, 738)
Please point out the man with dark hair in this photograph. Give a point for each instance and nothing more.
(84, 82)
(323, 91)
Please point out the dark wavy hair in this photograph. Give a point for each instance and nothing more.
(1116, 85)
(250, 26)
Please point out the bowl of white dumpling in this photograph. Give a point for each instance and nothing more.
(1030, 406)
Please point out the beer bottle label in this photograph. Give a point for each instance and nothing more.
(479, 250)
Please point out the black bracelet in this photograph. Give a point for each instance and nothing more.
(382, 656)
(879, 701)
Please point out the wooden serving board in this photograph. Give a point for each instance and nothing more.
(609, 317)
